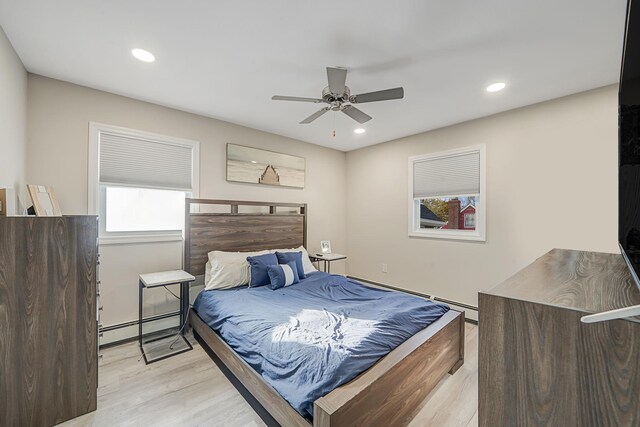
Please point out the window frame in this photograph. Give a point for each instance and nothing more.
(413, 210)
(97, 192)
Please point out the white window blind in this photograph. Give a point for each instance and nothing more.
(131, 161)
(454, 175)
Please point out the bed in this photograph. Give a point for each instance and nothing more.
(390, 388)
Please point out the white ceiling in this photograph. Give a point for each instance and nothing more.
(225, 59)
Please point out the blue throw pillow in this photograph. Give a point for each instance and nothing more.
(283, 275)
(287, 257)
(258, 265)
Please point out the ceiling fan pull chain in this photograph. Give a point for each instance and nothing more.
(334, 124)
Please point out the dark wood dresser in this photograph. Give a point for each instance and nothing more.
(539, 365)
(48, 319)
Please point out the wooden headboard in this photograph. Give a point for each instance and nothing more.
(234, 231)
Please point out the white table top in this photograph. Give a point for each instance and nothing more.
(166, 277)
(329, 257)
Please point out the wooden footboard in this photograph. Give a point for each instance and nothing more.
(388, 393)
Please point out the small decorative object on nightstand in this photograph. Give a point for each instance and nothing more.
(327, 259)
(166, 278)
(325, 245)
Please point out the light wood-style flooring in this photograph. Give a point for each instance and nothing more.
(189, 390)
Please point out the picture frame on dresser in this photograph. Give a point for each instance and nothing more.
(44, 200)
(7, 202)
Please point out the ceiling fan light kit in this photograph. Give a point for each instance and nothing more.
(338, 95)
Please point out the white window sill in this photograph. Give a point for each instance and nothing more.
(448, 234)
(139, 238)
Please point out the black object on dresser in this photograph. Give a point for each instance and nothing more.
(629, 142)
(539, 365)
(48, 319)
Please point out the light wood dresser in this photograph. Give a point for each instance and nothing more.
(539, 365)
(48, 319)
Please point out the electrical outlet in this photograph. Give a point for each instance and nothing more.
(384, 268)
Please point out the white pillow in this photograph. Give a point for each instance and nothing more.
(228, 269)
(207, 272)
(307, 265)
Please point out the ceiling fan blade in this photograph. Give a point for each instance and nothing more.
(337, 78)
(314, 116)
(295, 98)
(380, 95)
(356, 114)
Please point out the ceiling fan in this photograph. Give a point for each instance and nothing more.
(339, 97)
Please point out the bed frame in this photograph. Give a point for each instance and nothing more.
(388, 393)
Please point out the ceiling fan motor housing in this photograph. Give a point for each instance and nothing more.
(331, 98)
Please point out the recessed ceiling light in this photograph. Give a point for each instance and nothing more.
(495, 87)
(359, 130)
(253, 161)
(143, 55)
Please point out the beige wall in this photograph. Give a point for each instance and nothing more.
(59, 114)
(551, 182)
(13, 117)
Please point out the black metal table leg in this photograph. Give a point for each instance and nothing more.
(140, 285)
(184, 305)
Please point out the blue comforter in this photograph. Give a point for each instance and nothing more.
(309, 338)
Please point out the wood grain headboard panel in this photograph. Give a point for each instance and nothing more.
(240, 232)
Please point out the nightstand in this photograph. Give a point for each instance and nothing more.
(166, 278)
(327, 259)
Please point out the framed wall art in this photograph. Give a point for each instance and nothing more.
(256, 166)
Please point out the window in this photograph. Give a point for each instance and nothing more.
(470, 221)
(138, 182)
(447, 194)
(143, 209)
